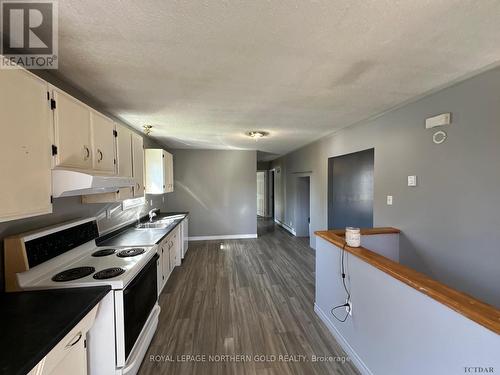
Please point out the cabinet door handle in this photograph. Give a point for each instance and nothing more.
(99, 155)
(87, 153)
(74, 340)
(138, 186)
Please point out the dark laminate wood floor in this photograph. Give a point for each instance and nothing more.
(249, 298)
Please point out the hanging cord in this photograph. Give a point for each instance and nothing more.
(348, 299)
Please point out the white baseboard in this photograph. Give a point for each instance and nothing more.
(223, 237)
(356, 360)
(286, 227)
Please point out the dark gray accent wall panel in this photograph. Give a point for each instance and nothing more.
(350, 190)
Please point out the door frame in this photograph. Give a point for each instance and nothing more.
(275, 172)
(297, 203)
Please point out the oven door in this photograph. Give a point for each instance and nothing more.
(139, 299)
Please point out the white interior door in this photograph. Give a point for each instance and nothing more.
(261, 194)
(278, 195)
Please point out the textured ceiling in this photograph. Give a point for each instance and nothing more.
(204, 72)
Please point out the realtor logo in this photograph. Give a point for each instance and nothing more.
(29, 34)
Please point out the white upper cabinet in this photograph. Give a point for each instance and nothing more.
(124, 151)
(169, 172)
(130, 164)
(25, 145)
(103, 143)
(44, 128)
(73, 134)
(84, 138)
(138, 164)
(159, 171)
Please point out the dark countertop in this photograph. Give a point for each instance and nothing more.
(32, 323)
(131, 236)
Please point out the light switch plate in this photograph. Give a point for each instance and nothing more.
(412, 180)
(389, 200)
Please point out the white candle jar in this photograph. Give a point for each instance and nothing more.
(353, 237)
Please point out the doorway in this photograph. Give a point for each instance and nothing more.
(271, 194)
(262, 194)
(278, 200)
(350, 190)
(303, 213)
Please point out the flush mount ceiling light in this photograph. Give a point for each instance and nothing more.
(147, 129)
(257, 134)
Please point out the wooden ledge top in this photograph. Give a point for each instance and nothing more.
(482, 313)
(367, 231)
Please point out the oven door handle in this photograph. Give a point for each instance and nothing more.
(139, 276)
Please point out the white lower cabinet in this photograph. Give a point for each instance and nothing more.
(69, 356)
(170, 252)
(165, 264)
(185, 236)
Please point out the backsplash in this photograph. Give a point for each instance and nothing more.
(71, 208)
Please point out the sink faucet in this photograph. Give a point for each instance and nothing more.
(152, 214)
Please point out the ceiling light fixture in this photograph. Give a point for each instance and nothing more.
(147, 129)
(257, 134)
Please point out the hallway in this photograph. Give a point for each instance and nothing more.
(245, 298)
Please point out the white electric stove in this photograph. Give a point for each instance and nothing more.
(66, 256)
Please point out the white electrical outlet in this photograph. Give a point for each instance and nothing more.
(412, 180)
(389, 200)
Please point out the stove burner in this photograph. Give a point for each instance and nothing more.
(103, 252)
(131, 252)
(73, 274)
(108, 273)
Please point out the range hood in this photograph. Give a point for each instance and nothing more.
(70, 183)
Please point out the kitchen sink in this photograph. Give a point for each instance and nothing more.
(155, 225)
(158, 224)
(174, 217)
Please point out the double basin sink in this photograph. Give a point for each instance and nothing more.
(161, 223)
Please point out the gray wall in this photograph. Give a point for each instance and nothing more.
(218, 188)
(450, 222)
